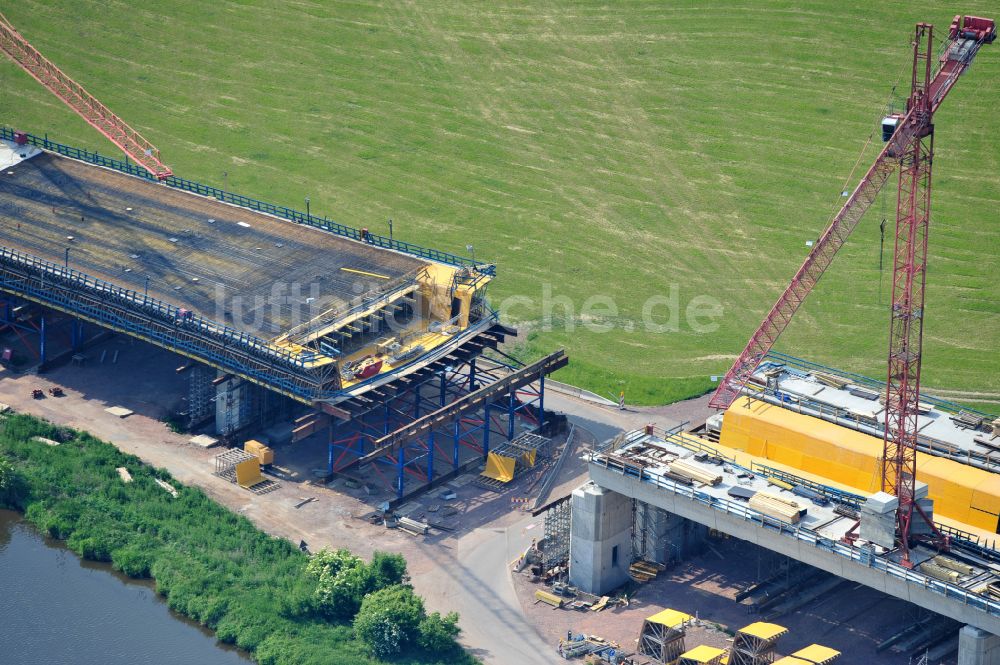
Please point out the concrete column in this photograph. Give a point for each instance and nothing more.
(977, 647)
(600, 539)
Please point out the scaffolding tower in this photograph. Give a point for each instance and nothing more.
(662, 635)
(755, 644)
(556, 524)
(201, 394)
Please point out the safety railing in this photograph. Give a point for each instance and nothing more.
(867, 381)
(284, 212)
(855, 554)
(832, 493)
(69, 277)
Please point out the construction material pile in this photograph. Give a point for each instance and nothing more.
(695, 473)
(784, 510)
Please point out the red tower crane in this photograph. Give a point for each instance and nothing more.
(908, 151)
(96, 114)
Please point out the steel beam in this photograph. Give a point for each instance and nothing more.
(481, 397)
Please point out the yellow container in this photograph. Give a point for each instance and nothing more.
(262, 452)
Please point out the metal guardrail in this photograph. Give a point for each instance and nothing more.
(860, 379)
(149, 306)
(855, 554)
(284, 212)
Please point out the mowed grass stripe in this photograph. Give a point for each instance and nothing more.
(602, 149)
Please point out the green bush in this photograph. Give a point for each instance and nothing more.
(389, 620)
(133, 560)
(437, 634)
(12, 486)
(257, 592)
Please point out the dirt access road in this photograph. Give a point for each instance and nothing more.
(465, 571)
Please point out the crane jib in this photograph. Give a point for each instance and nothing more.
(966, 36)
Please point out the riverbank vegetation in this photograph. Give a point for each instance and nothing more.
(256, 591)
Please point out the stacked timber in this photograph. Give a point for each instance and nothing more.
(939, 572)
(697, 474)
(954, 564)
(831, 380)
(780, 508)
(644, 571)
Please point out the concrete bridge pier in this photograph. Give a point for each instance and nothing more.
(978, 647)
(600, 539)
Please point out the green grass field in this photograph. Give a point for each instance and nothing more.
(610, 149)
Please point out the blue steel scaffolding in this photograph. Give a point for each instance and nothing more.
(438, 423)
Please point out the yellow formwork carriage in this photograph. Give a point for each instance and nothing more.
(702, 655)
(443, 300)
(816, 654)
(963, 493)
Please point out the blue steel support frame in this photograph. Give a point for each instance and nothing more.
(418, 460)
(41, 340)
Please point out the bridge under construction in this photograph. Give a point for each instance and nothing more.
(265, 303)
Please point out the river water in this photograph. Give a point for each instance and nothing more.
(56, 609)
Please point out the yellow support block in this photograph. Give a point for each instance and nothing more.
(500, 468)
(248, 473)
(260, 451)
(548, 598)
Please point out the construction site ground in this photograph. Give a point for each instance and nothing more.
(464, 570)
(852, 618)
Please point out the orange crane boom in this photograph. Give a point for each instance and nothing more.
(96, 114)
(965, 37)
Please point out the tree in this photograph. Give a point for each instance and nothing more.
(437, 634)
(389, 620)
(388, 569)
(11, 486)
(344, 579)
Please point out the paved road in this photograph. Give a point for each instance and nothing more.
(477, 584)
(477, 579)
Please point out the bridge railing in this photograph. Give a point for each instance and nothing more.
(856, 554)
(150, 306)
(867, 381)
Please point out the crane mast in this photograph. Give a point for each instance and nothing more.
(96, 114)
(909, 277)
(908, 151)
